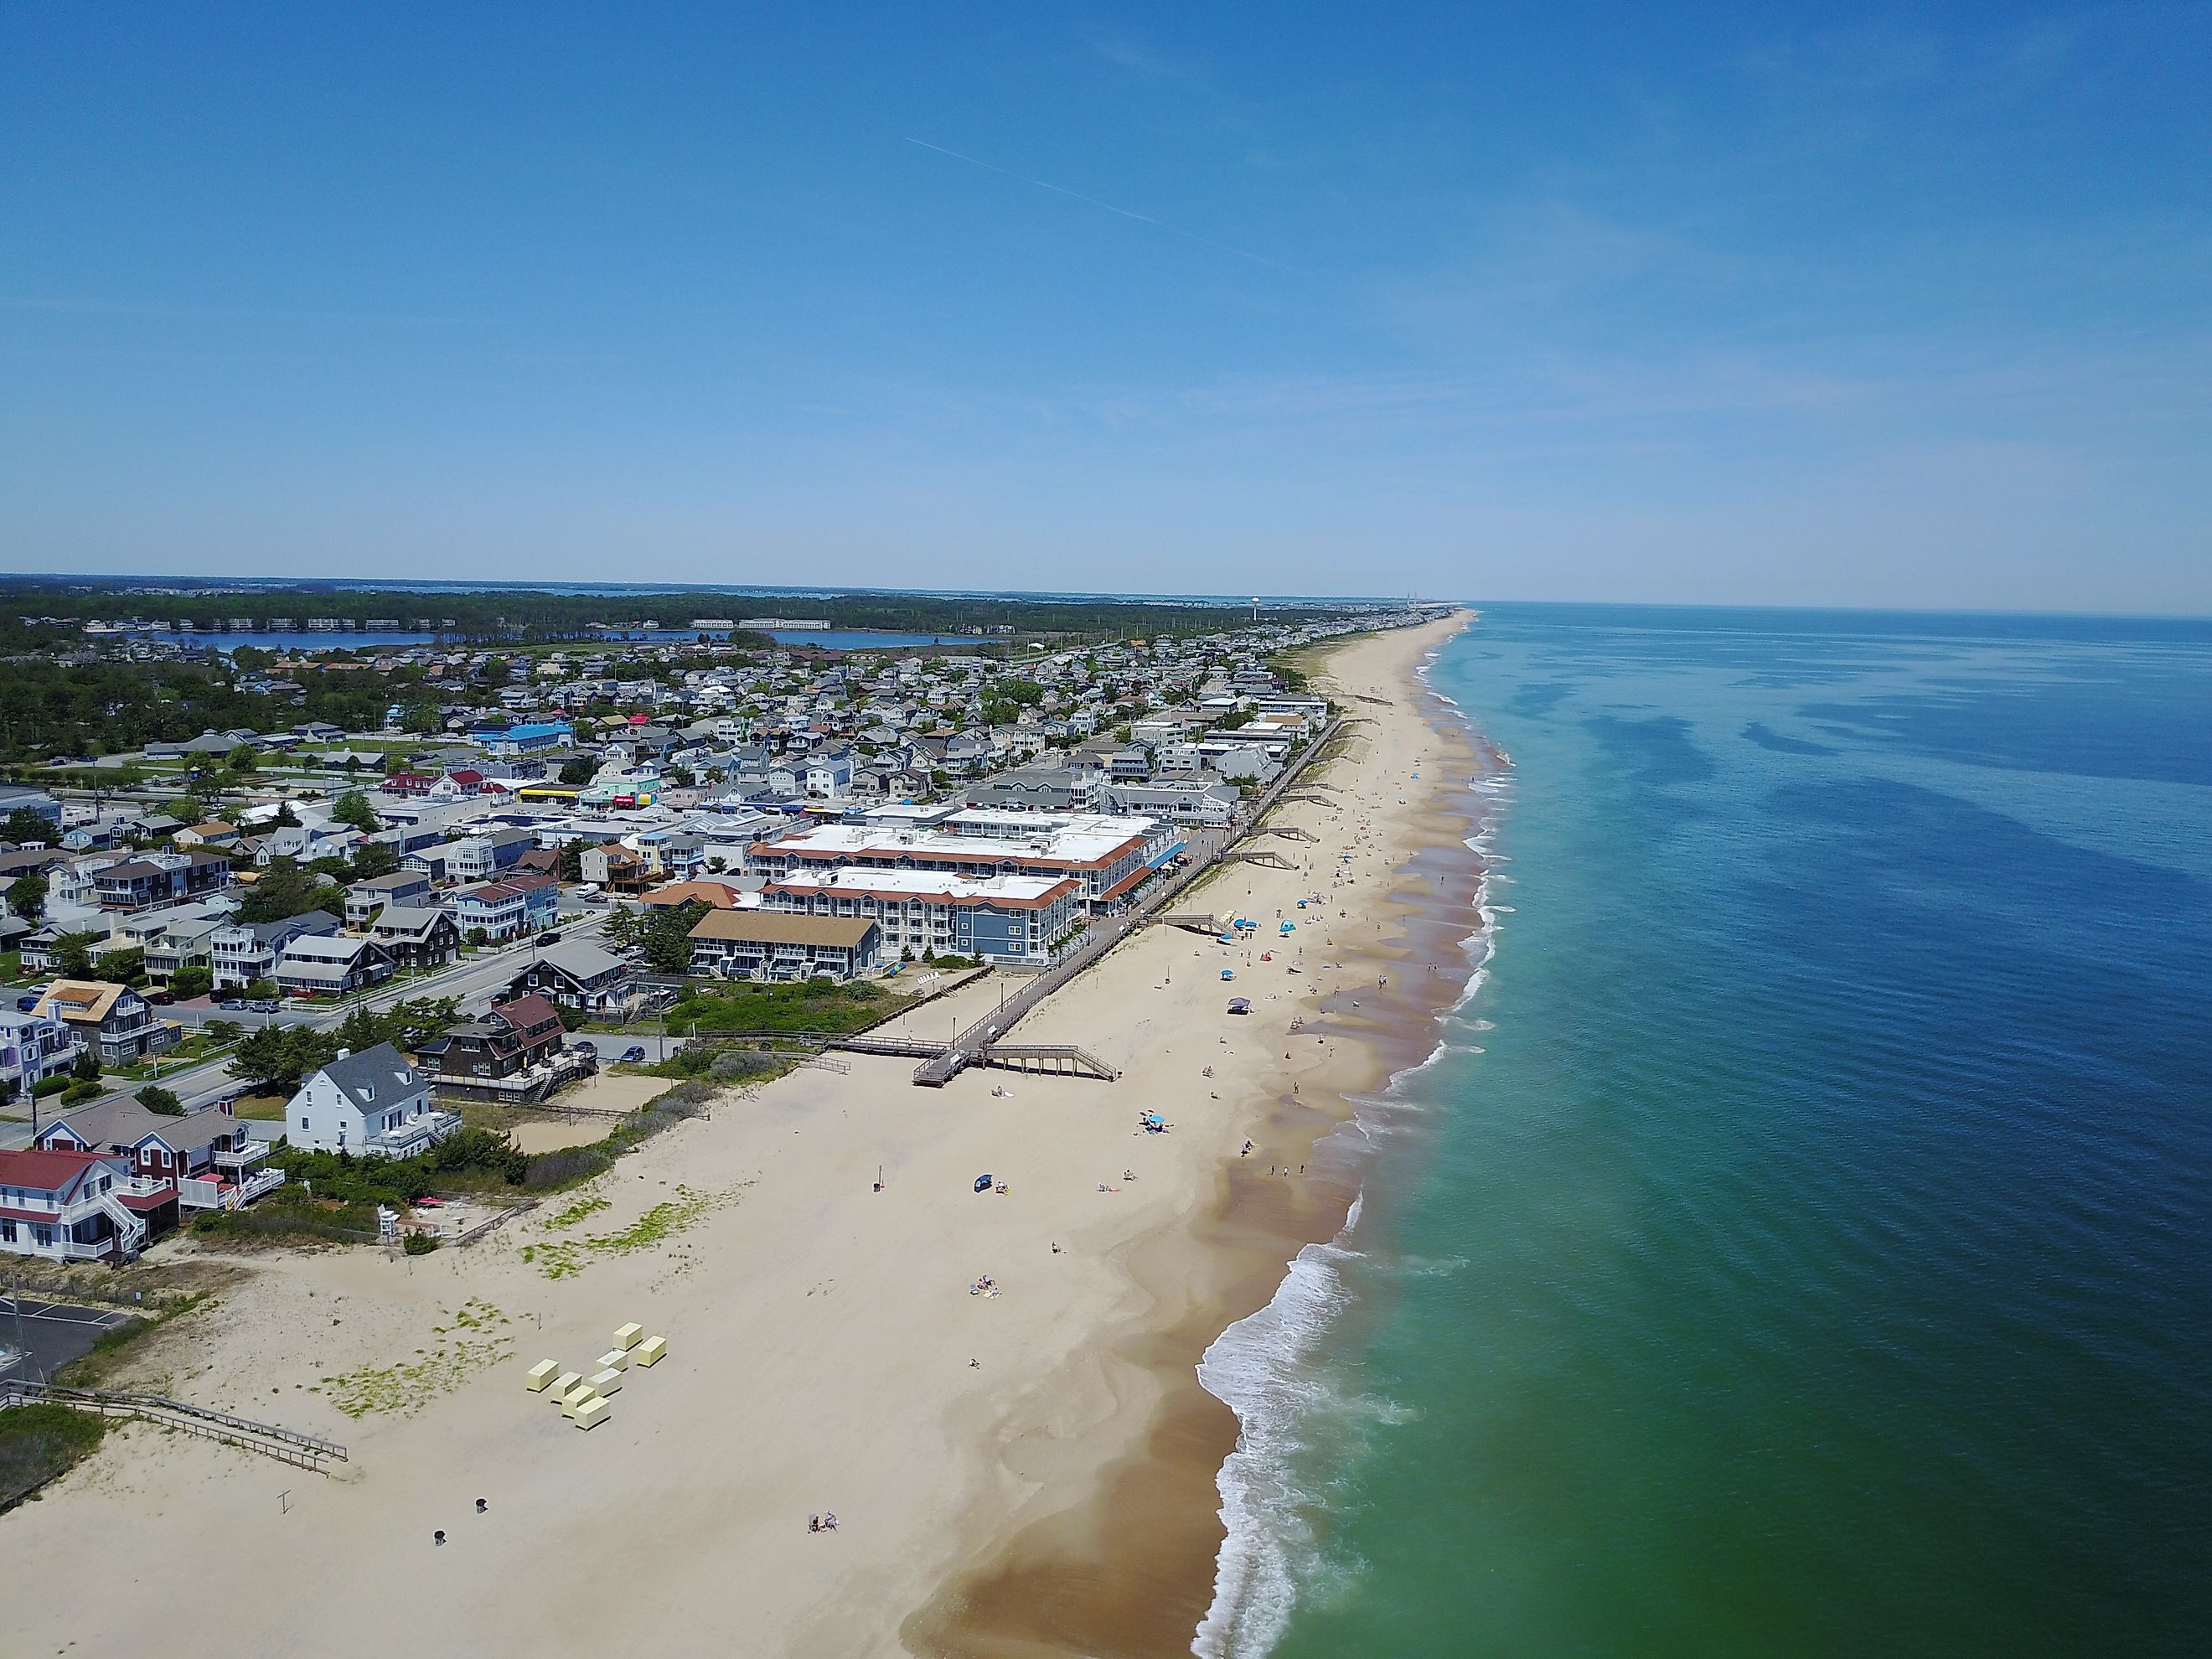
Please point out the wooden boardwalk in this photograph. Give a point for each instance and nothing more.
(305, 1451)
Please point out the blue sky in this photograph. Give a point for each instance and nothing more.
(1702, 303)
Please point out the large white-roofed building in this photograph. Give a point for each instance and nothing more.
(1008, 920)
(1106, 857)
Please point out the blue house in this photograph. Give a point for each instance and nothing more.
(529, 738)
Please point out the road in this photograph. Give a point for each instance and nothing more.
(469, 983)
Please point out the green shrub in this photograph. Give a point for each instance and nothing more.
(40, 1441)
(419, 1244)
(50, 1085)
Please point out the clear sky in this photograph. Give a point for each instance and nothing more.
(1756, 303)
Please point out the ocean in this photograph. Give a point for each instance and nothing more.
(1801, 1241)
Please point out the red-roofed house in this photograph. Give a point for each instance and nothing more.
(75, 1206)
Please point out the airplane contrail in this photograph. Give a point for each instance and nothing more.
(1125, 213)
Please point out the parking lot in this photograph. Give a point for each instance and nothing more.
(53, 1334)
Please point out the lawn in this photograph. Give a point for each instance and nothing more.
(815, 1007)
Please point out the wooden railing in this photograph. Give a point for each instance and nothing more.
(305, 1451)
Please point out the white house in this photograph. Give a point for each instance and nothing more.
(375, 1104)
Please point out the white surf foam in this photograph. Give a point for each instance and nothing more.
(1262, 1367)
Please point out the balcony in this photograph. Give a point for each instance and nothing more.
(417, 1135)
(237, 1157)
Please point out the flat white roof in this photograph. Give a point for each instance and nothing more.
(1073, 838)
(926, 884)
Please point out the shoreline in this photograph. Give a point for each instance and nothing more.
(1030, 1473)
(1132, 1559)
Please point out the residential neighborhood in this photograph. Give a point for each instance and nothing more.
(570, 838)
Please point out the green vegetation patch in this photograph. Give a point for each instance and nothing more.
(564, 1258)
(40, 1441)
(471, 1340)
(582, 1210)
(817, 1007)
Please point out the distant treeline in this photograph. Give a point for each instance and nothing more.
(516, 614)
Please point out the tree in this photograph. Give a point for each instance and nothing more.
(284, 889)
(572, 861)
(26, 896)
(580, 770)
(374, 858)
(666, 936)
(286, 817)
(154, 1098)
(25, 825)
(191, 981)
(274, 1059)
(73, 954)
(243, 759)
(422, 719)
(353, 809)
(85, 1068)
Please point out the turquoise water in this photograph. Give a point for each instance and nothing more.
(1803, 1243)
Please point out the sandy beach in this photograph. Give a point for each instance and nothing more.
(1027, 1472)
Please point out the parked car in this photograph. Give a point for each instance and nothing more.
(233, 1004)
(551, 936)
(160, 998)
(586, 1047)
(263, 1005)
(634, 1054)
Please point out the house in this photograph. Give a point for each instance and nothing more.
(245, 951)
(187, 940)
(1179, 800)
(577, 973)
(111, 1020)
(765, 944)
(14, 798)
(530, 737)
(720, 893)
(213, 834)
(417, 936)
(367, 897)
(1040, 789)
(616, 869)
(480, 858)
(209, 1155)
(160, 879)
(33, 1047)
(74, 1206)
(506, 909)
(374, 1103)
(827, 776)
(331, 964)
(208, 745)
(517, 1053)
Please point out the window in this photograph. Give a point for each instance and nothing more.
(303, 1126)
(7, 1232)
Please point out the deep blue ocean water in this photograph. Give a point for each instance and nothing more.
(1803, 1243)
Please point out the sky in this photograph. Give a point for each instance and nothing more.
(1701, 303)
